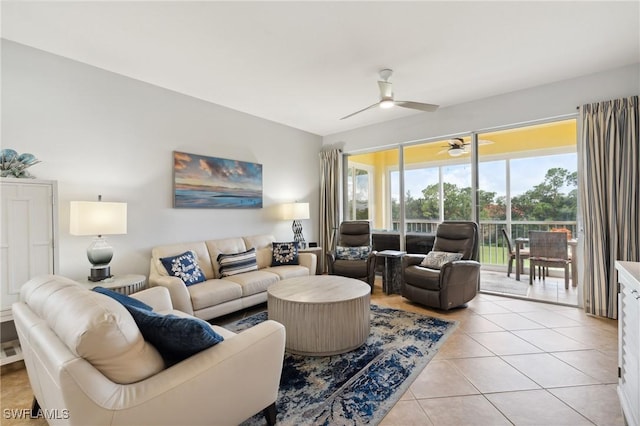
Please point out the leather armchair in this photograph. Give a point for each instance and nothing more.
(356, 233)
(455, 283)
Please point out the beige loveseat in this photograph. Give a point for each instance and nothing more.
(88, 363)
(219, 296)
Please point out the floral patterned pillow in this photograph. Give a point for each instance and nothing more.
(184, 266)
(437, 259)
(352, 253)
(285, 254)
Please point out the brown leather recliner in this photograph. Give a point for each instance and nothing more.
(456, 282)
(356, 233)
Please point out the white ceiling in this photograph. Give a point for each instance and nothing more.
(306, 64)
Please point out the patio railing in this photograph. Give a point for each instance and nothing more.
(493, 247)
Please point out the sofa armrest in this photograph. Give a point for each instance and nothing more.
(460, 273)
(180, 298)
(156, 297)
(308, 260)
(243, 372)
(331, 259)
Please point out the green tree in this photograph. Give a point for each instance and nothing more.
(430, 204)
(547, 201)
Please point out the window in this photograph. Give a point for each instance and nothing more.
(360, 192)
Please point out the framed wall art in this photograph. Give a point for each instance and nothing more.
(201, 182)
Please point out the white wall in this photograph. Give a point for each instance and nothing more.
(97, 132)
(537, 103)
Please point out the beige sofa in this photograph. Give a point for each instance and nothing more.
(220, 296)
(89, 364)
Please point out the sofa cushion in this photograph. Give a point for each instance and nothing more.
(254, 282)
(349, 268)
(199, 248)
(213, 292)
(237, 263)
(263, 246)
(184, 266)
(94, 327)
(264, 256)
(123, 299)
(285, 254)
(176, 338)
(259, 241)
(226, 245)
(421, 277)
(437, 259)
(352, 253)
(288, 271)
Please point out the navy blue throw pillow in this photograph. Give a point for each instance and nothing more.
(176, 338)
(285, 254)
(123, 298)
(184, 266)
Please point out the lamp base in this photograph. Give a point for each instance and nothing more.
(100, 273)
(297, 234)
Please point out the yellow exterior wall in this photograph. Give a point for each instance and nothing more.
(512, 142)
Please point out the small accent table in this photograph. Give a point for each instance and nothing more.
(319, 260)
(392, 276)
(125, 284)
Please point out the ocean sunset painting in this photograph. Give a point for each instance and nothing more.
(202, 182)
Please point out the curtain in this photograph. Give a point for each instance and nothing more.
(329, 199)
(609, 157)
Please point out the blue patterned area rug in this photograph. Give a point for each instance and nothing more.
(358, 387)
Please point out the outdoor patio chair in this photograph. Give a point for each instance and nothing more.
(524, 254)
(549, 249)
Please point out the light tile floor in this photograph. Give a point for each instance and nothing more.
(510, 361)
(551, 289)
(514, 361)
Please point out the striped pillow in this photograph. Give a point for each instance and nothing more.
(237, 263)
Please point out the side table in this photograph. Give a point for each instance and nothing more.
(319, 260)
(125, 284)
(392, 275)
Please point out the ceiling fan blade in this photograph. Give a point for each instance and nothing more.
(386, 90)
(362, 110)
(484, 142)
(417, 105)
(443, 151)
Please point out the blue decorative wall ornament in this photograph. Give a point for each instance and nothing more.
(14, 165)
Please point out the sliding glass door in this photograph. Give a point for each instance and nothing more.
(437, 183)
(526, 180)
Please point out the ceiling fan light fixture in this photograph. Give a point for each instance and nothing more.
(386, 103)
(456, 151)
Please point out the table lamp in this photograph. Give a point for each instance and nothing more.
(98, 218)
(296, 212)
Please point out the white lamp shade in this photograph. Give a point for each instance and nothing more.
(295, 211)
(97, 218)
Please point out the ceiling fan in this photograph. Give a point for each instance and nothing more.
(458, 147)
(386, 97)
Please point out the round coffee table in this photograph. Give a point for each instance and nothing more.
(322, 314)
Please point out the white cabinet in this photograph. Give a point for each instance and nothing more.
(28, 235)
(629, 340)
